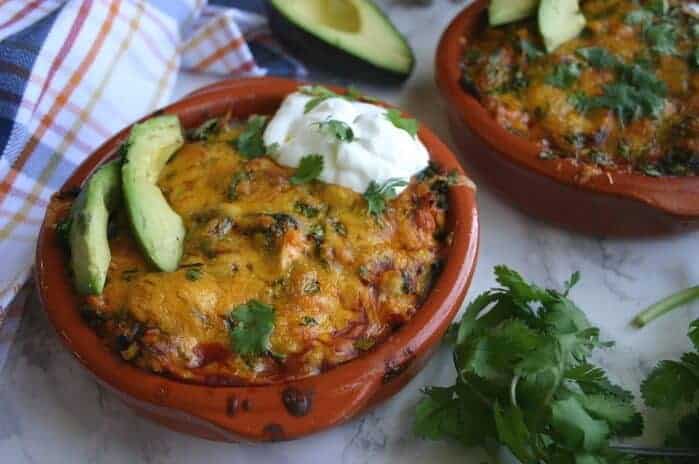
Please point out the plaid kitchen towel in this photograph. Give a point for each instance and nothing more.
(74, 72)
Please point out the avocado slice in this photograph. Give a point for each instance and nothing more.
(559, 22)
(158, 229)
(89, 246)
(353, 37)
(508, 11)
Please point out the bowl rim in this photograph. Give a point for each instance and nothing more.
(676, 196)
(337, 394)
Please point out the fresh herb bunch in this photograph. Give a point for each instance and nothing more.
(524, 381)
(676, 383)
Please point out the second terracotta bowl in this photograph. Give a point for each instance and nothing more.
(612, 203)
(273, 412)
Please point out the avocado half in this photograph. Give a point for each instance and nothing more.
(351, 37)
(89, 245)
(157, 227)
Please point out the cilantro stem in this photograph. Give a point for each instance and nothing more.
(666, 305)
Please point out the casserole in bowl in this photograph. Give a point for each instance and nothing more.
(554, 145)
(135, 336)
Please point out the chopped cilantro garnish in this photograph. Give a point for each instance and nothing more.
(63, 231)
(524, 381)
(193, 274)
(378, 195)
(237, 178)
(662, 38)
(564, 75)
(308, 321)
(530, 50)
(319, 94)
(599, 57)
(407, 124)
(207, 129)
(338, 129)
(249, 143)
(639, 17)
(250, 326)
(306, 209)
(309, 169)
(658, 7)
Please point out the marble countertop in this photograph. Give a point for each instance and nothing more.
(51, 410)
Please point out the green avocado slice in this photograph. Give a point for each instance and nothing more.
(158, 229)
(89, 245)
(508, 11)
(559, 22)
(349, 36)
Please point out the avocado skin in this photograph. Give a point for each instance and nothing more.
(158, 229)
(320, 53)
(89, 245)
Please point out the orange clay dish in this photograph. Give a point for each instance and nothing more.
(278, 281)
(599, 133)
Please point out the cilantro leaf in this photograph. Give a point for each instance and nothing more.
(236, 180)
(251, 325)
(249, 143)
(407, 124)
(338, 129)
(205, 130)
(377, 195)
(640, 17)
(670, 384)
(319, 94)
(662, 38)
(599, 57)
(564, 75)
(531, 51)
(309, 169)
(658, 7)
(576, 428)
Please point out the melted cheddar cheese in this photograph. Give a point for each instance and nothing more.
(339, 279)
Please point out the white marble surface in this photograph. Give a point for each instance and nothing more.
(51, 411)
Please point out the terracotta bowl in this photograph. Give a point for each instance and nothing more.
(613, 203)
(261, 413)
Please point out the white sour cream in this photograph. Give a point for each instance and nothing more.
(379, 151)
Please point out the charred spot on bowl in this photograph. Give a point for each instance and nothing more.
(273, 432)
(296, 402)
(247, 405)
(232, 405)
(394, 369)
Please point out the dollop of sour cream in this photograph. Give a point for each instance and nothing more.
(378, 152)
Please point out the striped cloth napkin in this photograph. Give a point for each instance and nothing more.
(74, 72)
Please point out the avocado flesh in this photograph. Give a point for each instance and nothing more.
(356, 27)
(508, 11)
(157, 228)
(89, 245)
(559, 22)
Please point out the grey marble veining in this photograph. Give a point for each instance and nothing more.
(51, 411)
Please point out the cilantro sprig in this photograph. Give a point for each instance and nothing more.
(250, 327)
(564, 75)
(377, 196)
(249, 143)
(205, 131)
(524, 382)
(675, 383)
(309, 169)
(407, 124)
(338, 129)
(321, 93)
